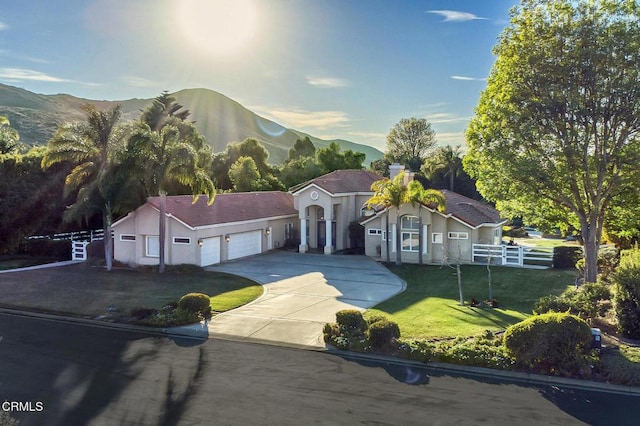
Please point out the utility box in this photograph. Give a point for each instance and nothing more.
(596, 341)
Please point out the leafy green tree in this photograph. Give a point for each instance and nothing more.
(394, 193)
(30, 199)
(9, 137)
(167, 155)
(302, 148)
(300, 170)
(560, 116)
(245, 175)
(252, 148)
(91, 147)
(332, 158)
(410, 141)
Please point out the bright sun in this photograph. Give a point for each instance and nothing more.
(221, 27)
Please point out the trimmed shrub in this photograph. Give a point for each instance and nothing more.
(582, 302)
(566, 257)
(351, 320)
(627, 295)
(552, 343)
(197, 303)
(382, 333)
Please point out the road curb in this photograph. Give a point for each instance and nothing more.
(515, 376)
(182, 331)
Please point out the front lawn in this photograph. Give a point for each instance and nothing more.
(93, 292)
(430, 308)
(14, 262)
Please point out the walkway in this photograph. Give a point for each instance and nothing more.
(302, 293)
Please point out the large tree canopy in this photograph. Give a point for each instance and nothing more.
(409, 141)
(558, 122)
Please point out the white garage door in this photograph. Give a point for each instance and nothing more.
(245, 244)
(210, 251)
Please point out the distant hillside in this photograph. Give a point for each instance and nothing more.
(220, 119)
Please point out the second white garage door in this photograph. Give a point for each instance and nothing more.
(245, 244)
(210, 251)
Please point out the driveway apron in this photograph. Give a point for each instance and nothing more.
(302, 292)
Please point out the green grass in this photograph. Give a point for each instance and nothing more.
(546, 242)
(13, 262)
(232, 299)
(430, 308)
(90, 291)
(621, 365)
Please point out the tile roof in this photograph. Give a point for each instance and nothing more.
(343, 181)
(226, 208)
(468, 210)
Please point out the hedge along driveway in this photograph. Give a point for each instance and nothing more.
(93, 292)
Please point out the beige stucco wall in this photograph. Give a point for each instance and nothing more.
(434, 252)
(347, 208)
(144, 222)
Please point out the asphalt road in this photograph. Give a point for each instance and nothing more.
(73, 374)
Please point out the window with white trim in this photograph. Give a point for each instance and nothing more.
(181, 240)
(127, 237)
(152, 246)
(374, 231)
(289, 231)
(410, 233)
(458, 235)
(436, 238)
(497, 235)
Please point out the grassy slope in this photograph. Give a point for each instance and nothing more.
(430, 308)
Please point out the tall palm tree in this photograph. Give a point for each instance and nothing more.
(9, 138)
(445, 159)
(170, 155)
(91, 147)
(394, 193)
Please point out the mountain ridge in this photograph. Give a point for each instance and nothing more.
(219, 118)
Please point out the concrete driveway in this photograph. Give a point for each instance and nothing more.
(302, 293)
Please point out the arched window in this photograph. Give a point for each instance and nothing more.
(410, 233)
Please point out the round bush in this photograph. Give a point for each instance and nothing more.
(351, 320)
(552, 342)
(382, 333)
(197, 303)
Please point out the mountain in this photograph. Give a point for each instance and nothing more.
(220, 119)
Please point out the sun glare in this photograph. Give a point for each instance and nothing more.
(221, 27)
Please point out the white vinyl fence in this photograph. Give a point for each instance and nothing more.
(512, 255)
(79, 241)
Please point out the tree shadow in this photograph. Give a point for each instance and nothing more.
(589, 406)
(85, 374)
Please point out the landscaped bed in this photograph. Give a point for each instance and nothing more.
(83, 290)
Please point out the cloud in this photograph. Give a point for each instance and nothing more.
(452, 138)
(456, 16)
(445, 118)
(138, 81)
(3, 26)
(463, 78)
(21, 74)
(304, 119)
(327, 82)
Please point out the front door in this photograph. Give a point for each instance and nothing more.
(322, 233)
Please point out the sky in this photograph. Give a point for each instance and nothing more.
(336, 69)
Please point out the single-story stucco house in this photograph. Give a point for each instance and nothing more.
(313, 216)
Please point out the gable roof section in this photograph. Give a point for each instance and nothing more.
(464, 209)
(468, 210)
(342, 182)
(227, 208)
